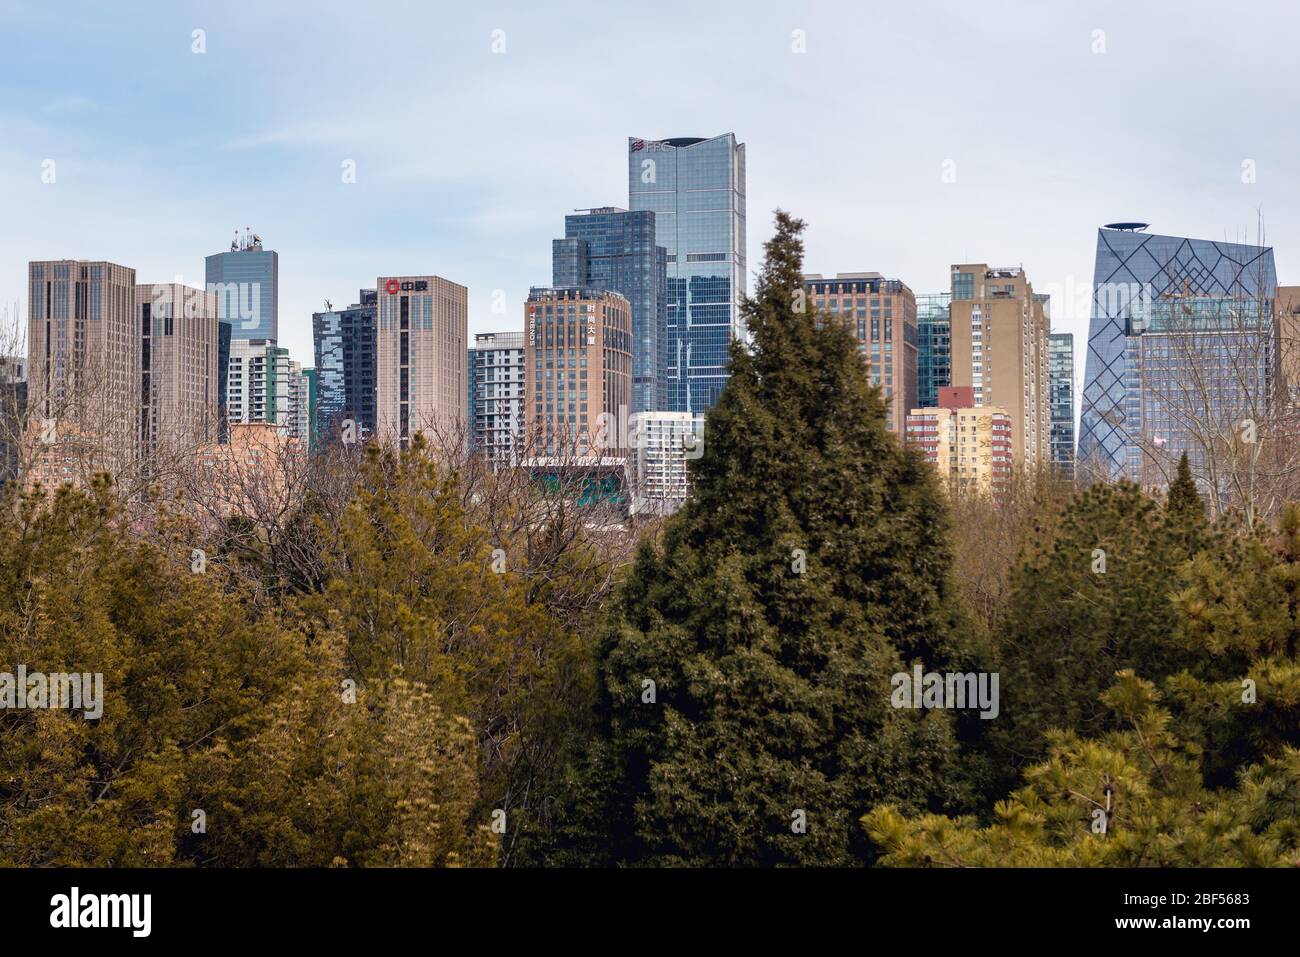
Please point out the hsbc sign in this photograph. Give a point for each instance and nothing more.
(394, 286)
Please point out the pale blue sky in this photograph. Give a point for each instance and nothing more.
(467, 160)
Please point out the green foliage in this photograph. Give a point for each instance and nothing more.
(208, 706)
(1092, 597)
(1183, 498)
(1129, 798)
(412, 589)
(809, 565)
(1241, 614)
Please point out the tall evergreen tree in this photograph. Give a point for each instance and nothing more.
(1184, 499)
(745, 714)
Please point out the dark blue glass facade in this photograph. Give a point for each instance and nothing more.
(247, 284)
(615, 249)
(696, 189)
(344, 343)
(224, 332)
(934, 348)
(1133, 270)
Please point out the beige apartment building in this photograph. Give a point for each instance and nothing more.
(421, 354)
(178, 329)
(999, 349)
(84, 362)
(577, 373)
(881, 314)
(970, 446)
(1286, 307)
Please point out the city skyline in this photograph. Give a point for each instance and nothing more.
(213, 146)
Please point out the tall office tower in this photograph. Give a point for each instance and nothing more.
(661, 445)
(971, 446)
(577, 373)
(13, 412)
(179, 344)
(420, 355)
(345, 361)
(1060, 377)
(933, 347)
(246, 280)
(83, 359)
(496, 394)
(1134, 268)
(881, 314)
(611, 248)
(696, 189)
(998, 333)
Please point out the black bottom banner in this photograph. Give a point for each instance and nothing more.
(336, 906)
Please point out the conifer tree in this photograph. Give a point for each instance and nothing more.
(1183, 498)
(1091, 598)
(745, 714)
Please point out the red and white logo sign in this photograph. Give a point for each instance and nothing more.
(394, 286)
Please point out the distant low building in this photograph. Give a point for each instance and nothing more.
(662, 443)
(970, 446)
(258, 469)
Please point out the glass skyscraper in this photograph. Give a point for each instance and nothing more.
(934, 347)
(614, 249)
(345, 367)
(247, 283)
(1198, 368)
(1135, 270)
(696, 189)
(1060, 378)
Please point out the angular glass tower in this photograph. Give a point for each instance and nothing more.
(696, 189)
(1133, 270)
(611, 248)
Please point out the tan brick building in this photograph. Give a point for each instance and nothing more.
(881, 314)
(259, 470)
(1000, 351)
(421, 354)
(577, 368)
(84, 358)
(178, 328)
